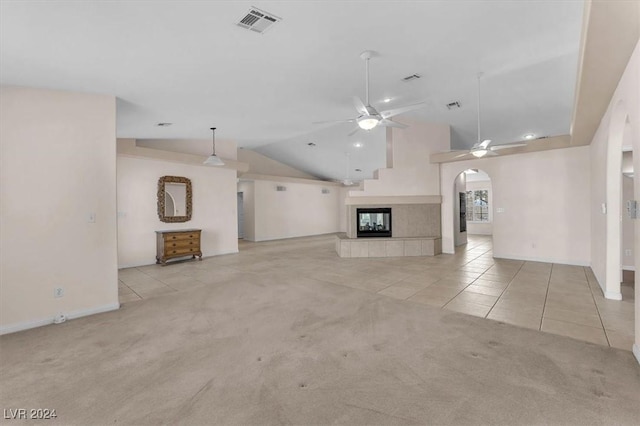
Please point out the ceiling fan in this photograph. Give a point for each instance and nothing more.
(369, 117)
(480, 149)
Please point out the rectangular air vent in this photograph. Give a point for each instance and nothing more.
(453, 105)
(325, 191)
(281, 188)
(258, 20)
(411, 77)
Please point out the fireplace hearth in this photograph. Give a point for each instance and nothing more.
(373, 222)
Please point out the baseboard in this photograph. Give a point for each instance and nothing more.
(14, 328)
(543, 259)
(636, 352)
(611, 295)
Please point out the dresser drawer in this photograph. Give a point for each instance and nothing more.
(170, 245)
(181, 236)
(179, 251)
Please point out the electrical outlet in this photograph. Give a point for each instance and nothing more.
(58, 292)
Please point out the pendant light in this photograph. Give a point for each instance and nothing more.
(479, 150)
(214, 160)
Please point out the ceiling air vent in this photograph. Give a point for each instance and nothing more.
(453, 105)
(412, 77)
(258, 20)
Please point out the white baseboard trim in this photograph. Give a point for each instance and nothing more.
(628, 268)
(636, 352)
(612, 295)
(14, 328)
(543, 259)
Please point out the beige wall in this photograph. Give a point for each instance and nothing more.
(214, 208)
(263, 165)
(479, 228)
(624, 106)
(408, 154)
(458, 187)
(545, 201)
(58, 166)
(619, 127)
(299, 211)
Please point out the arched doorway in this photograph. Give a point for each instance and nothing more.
(472, 207)
(616, 141)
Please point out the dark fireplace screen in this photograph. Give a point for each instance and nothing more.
(374, 222)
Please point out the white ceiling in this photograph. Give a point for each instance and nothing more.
(186, 62)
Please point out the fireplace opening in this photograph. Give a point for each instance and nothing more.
(374, 222)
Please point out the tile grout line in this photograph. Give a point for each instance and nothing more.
(505, 289)
(544, 307)
(476, 279)
(606, 336)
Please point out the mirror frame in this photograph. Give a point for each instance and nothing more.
(161, 191)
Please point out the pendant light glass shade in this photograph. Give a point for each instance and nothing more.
(214, 160)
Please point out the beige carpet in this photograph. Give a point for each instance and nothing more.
(272, 348)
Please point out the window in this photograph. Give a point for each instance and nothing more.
(478, 206)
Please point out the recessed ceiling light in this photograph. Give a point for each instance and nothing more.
(358, 144)
(164, 124)
(311, 144)
(386, 100)
(529, 136)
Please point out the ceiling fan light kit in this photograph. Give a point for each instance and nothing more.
(369, 117)
(368, 123)
(213, 159)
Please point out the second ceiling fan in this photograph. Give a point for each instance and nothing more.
(369, 117)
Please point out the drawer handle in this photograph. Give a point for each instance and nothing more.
(173, 251)
(174, 244)
(174, 237)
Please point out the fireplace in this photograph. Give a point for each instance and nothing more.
(374, 222)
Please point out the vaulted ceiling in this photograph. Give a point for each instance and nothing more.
(189, 64)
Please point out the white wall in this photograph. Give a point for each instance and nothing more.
(301, 210)
(58, 165)
(481, 228)
(214, 208)
(459, 186)
(410, 169)
(624, 105)
(263, 165)
(545, 197)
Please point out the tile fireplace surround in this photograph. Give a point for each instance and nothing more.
(416, 231)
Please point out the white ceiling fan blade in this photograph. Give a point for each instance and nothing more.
(485, 143)
(350, 120)
(354, 131)
(389, 123)
(463, 154)
(507, 145)
(360, 106)
(395, 111)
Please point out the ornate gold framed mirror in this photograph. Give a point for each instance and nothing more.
(174, 199)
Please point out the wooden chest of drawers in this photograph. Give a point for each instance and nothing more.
(177, 243)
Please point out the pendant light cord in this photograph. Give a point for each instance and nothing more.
(213, 129)
(479, 75)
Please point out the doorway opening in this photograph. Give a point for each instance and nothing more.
(473, 205)
(240, 215)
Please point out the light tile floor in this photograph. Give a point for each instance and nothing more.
(553, 298)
